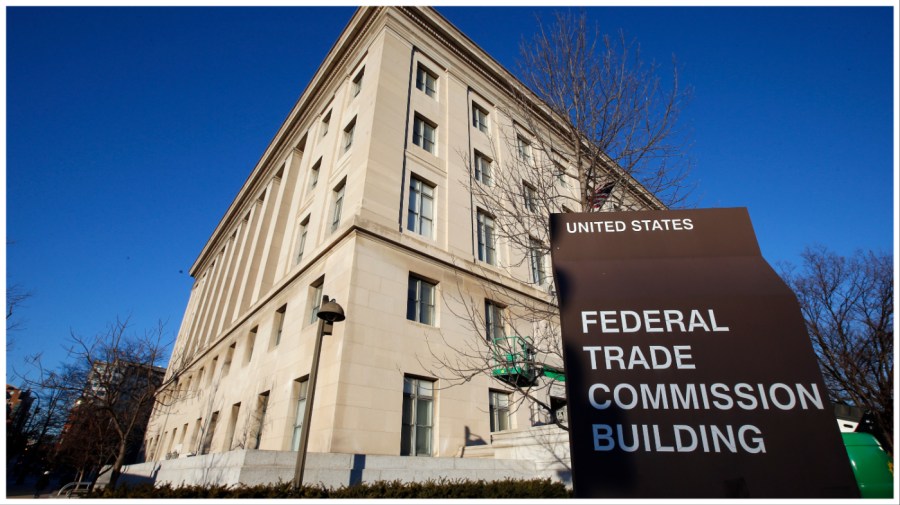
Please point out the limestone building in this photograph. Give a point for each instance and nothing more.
(365, 194)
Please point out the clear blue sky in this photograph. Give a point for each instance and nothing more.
(129, 131)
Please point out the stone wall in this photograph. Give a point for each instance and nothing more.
(252, 467)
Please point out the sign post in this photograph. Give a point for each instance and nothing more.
(689, 371)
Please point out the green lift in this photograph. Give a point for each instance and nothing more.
(514, 362)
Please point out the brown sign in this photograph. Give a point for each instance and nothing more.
(689, 371)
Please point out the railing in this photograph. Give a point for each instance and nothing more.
(74, 488)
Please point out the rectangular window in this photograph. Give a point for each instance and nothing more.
(479, 118)
(301, 239)
(232, 424)
(210, 431)
(302, 386)
(212, 370)
(529, 196)
(523, 148)
(559, 409)
(561, 179)
(483, 172)
(499, 409)
(315, 300)
(536, 260)
(325, 122)
(262, 406)
(417, 419)
(424, 134)
(420, 301)
(251, 340)
(487, 250)
(426, 81)
(420, 218)
(314, 174)
(348, 134)
(494, 325)
(229, 355)
(279, 325)
(196, 433)
(338, 204)
(356, 85)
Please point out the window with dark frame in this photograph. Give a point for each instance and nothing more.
(424, 134)
(483, 170)
(426, 81)
(417, 417)
(420, 300)
(498, 405)
(420, 216)
(356, 85)
(494, 324)
(487, 249)
(479, 118)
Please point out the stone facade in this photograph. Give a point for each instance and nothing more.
(327, 211)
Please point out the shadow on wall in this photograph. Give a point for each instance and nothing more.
(472, 440)
(356, 471)
(132, 480)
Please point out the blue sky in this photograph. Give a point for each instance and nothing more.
(129, 131)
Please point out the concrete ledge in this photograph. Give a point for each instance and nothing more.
(329, 469)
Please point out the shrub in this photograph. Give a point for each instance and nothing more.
(443, 488)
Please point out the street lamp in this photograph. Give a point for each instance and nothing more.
(330, 312)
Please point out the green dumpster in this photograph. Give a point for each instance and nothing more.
(872, 467)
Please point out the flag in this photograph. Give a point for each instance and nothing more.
(601, 195)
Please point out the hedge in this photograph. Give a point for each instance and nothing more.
(443, 488)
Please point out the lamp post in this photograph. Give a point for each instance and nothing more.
(330, 312)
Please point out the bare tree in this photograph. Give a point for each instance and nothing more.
(848, 304)
(16, 296)
(594, 125)
(114, 375)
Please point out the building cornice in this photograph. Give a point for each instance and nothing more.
(345, 46)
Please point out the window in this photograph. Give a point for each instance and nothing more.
(262, 405)
(424, 134)
(279, 325)
(529, 195)
(499, 409)
(301, 239)
(207, 438)
(315, 300)
(418, 408)
(421, 207)
(338, 204)
(561, 178)
(212, 370)
(196, 432)
(493, 321)
(483, 172)
(356, 85)
(302, 386)
(232, 424)
(314, 174)
(229, 355)
(325, 122)
(426, 81)
(420, 301)
(251, 340)
(559, 409)
(523, 148)
(348, 134)
(487, 250)
(479, 118)
(536, 260)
